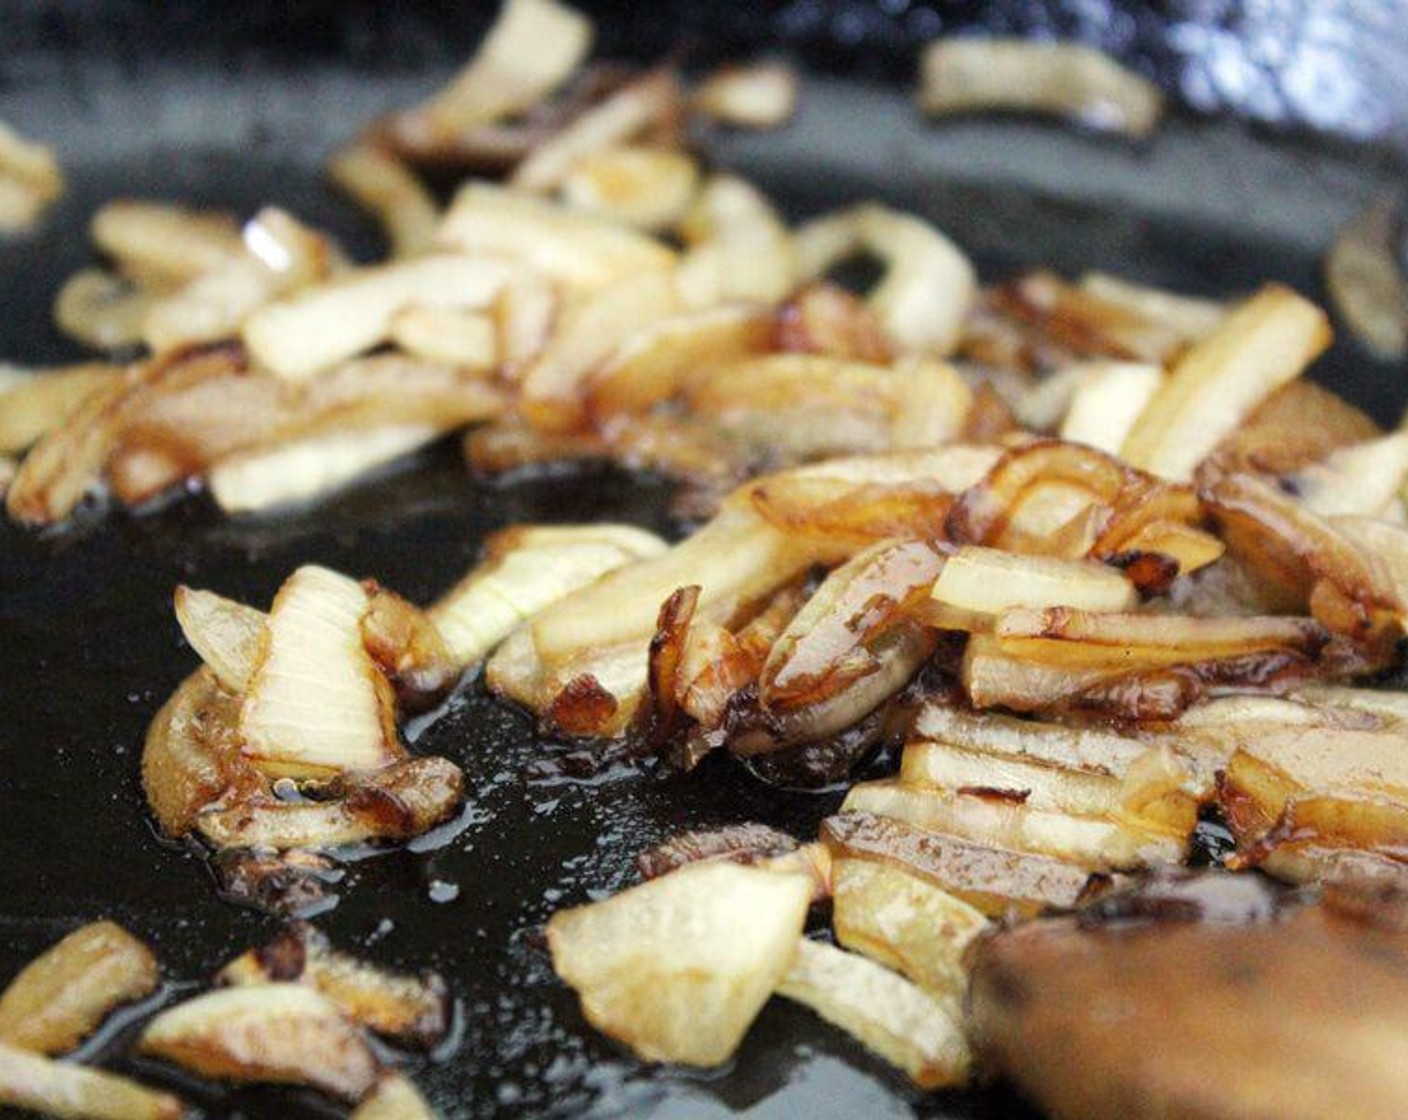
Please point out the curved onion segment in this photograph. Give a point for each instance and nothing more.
(526, 569)
(41, 1085)
(1363, 479)
(906, 923)
(412, 1009)
(678, 967)
(888, 1015)
(191, 757)
(963, 75)
(1256, 349)
(308, 333)
(30, 180)
(533, 47)
(393, 1098)
(228, 636)
(1365, 280)
(985, 580)
(928, 287)
(60, 997)
(314, 705)
(281, 1033)
(379, 182)
(827, 645)
(580, 250)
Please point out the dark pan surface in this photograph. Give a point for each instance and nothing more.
(89, 647)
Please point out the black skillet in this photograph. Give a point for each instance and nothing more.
(236, 105)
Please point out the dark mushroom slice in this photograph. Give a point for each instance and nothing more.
(1205, 998)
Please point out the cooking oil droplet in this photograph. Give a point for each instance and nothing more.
(441, 891)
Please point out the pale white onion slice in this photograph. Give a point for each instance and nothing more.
(988, 580)
(35, 402)
(1108, 398)
(41, 1085)
(532, 49)
(161, 244)
(228, 636)
(649, 188)
(967, 75)
(901, 1022)
(280, 1033)
(678, 967)
(389, 190)
(300, 337)
(452, 335)
(759, 95)
(572, 247)
(1259, 346)
(316, 704)
(307, 469)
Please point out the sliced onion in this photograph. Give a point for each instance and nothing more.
(590, 332)
(649, 188)
(315, 704)
(1298, 424)
(30, 181)
(1190, 316)
(308, 469)
(394, 1097)
(410, 1009)
(61, 996)
(662, 359)
(34, 1083)
(191, 758)
(1004, 823)
(228, 636)
(280, 1033)
(678, 968)
(526, 569)
(161, 245)
(408, 647)
(102, 310)
(888, 1015)
(928, 287)
(994, 879)
(652, 101)
(35, 403)
(301, 337)
(532, 49)
(1366, 283)
(759, 95)
(740, 248)
(903, 921)
(579, 250)
(961, 75)
(383, 185)
(984, 580)
(1106, 403)
(1261, 345)
(447, 334)
(1364, 479)
(828, 644)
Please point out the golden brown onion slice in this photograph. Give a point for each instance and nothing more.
(410, 1009)
(61, 996)
(993, 879)
(102, 310)
(394, 1097)
(191, 758)
(228, 636)
(280, 1033)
